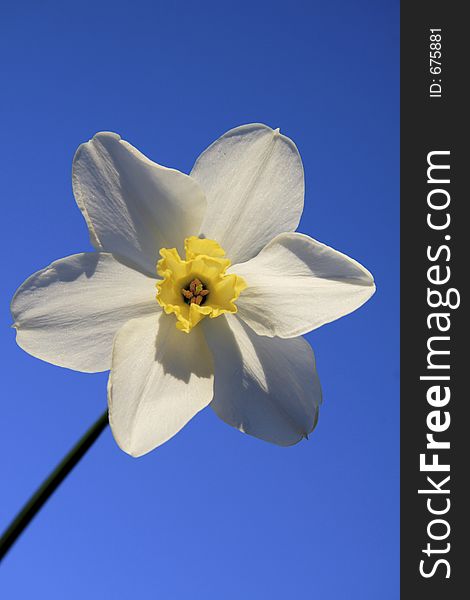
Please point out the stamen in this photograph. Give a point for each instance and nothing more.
(195, 292)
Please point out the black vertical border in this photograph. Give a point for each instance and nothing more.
(429, 124)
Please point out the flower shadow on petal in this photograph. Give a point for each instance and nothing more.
(267, 387)
(85, 263)
(180, 354)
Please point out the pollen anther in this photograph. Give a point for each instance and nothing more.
(195, 293)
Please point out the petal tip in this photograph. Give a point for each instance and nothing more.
(106, 134)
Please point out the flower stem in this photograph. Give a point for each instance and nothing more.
(49, 486)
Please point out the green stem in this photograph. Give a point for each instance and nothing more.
(43, 493)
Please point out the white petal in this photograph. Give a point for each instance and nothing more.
(132, 206)
(160, 378)
(297, 284)
(67, 314)
(254, 183)
(267, 387)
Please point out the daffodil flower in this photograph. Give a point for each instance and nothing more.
(199, 290)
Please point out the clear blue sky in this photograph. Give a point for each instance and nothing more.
(212, 514)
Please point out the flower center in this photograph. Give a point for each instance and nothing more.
(198, 286)
(195, 293)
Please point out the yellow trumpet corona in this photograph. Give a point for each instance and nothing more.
(199, 286)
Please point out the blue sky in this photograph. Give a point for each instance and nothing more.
(213, 513)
